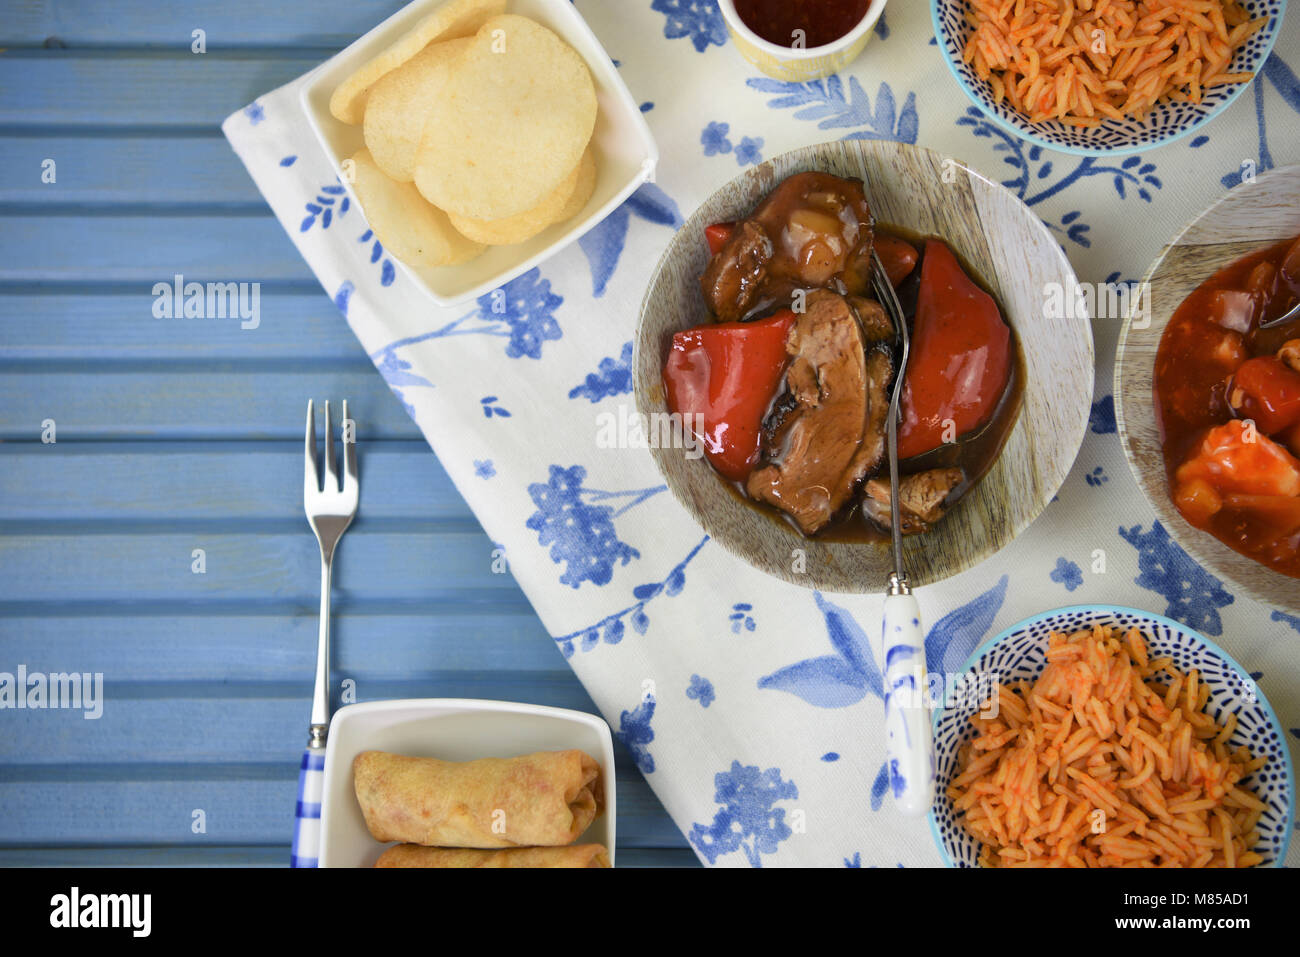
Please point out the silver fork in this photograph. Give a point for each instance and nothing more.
(330, 509)
(908, 749)
(1289, 316)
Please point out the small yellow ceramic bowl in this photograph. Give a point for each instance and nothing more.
(795, 65)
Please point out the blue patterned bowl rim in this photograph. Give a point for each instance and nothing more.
(1102, 613)
(1026, 132)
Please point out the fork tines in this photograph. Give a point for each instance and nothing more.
(885, 293)
(311, 472)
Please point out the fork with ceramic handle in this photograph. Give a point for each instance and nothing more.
(330, 507)
(909, 746)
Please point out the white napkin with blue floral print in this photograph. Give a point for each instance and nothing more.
(753, 706)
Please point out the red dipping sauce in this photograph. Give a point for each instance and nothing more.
(1240, 488)
(822, 21)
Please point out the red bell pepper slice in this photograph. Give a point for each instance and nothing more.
(898, 256)
(1267, 390)
(717, 235)
(961, 356)
(728, 373)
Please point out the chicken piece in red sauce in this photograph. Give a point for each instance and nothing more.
(813, 231)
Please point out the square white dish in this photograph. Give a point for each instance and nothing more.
(453, 729)
(625, 152)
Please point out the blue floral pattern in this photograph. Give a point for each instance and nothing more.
(957, 634)
(528, 310)
(397, 373)
(748, 820)
(701, 689)
(1292, 620)
(1194, 595)
(836, 680)
(879, 788)
(826, 102)
(522, 312)
(714, 139)
(581, 533)
(1067, 573)
(387, 272)
(741, 618)
(1034, 176)
(700, 20)
(612, 377)
(343, 297)
(611, 628)
(322, 208)
(1284, 81)
(603, 244)
(635, 733)
(749, 151)
(1102, 418)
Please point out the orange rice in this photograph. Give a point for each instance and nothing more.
(1082, 61)
(1107, 760)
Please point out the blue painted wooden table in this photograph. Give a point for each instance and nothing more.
(177, 436)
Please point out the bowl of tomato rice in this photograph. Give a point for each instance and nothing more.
(1105, 77)
(1104, 736)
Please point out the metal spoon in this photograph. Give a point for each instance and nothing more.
(909, 748)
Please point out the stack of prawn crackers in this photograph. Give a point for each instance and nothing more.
(477, 126)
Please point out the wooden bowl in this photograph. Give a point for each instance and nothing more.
(1009, 247)
(1243, 221)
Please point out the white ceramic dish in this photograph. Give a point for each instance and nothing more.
(454, 729)
(626, 154)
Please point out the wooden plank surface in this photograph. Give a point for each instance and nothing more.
(330, 24)
(154, 90)
(103, 172)
(207, 480)
(165, 401)
(145, 248)
(298, 328)
(173, 437)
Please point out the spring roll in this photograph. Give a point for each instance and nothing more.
(414, 855)
(543, 799)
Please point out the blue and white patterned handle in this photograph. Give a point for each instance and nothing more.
(306, 827)
(908, 742)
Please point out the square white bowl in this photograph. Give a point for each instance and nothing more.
(452, 729)
(625, 152)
